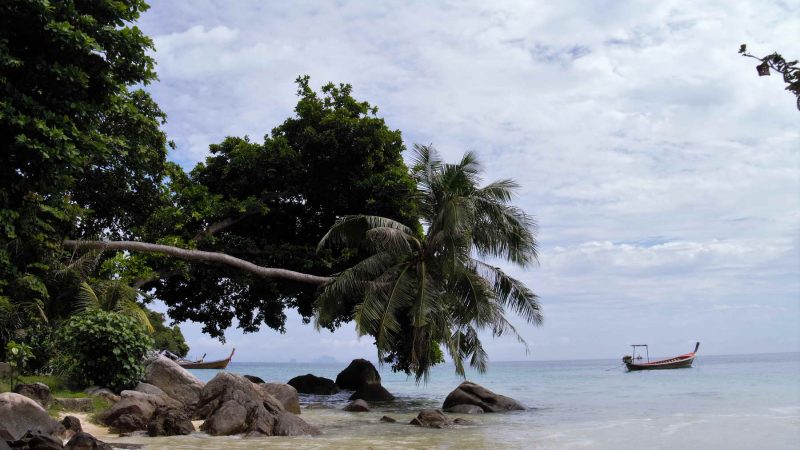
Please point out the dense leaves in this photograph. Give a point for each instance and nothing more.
(417, 292)
(104, 349)
(165, 337)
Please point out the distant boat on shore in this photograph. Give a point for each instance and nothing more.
(677, 362)
(200, 363)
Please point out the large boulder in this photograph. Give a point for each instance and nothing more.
(148, 388)
(431, 418)
(34, 441)
(285, 393)
(231, 404)
(37, 391)
(360, 372)
(20, 414)
(135, 409)
(168, 421)
(173, 379)
(372, 393)
(312, 384)
(85, 441)
(469, 393)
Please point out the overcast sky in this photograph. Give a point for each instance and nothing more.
(663, 172)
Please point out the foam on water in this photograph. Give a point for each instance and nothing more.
(724, 402)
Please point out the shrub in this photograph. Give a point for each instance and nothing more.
(18, 356)
(103, 348)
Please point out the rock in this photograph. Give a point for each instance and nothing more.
(85, 441)
(135, 409)
(285, 393)
(431, 418)
(148, 388)
(311, 384)
(465, 409)
(254, 379)
(231, 404)
(358, 406)
(75, 404)
(173, 379)
(359, 373)
(37, 391)
(462, 421)
(287, 424)
(372, 393)
(72, 424)
(468, 393)
(388, 419)
(170, 422)
(20, 414)
(35, 441)
(106, 393)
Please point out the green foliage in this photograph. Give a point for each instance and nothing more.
(18, 356)
(270, 203)
(39, 339)
(167, 338)
(81, 151)
(776, 62)
(103, 348)
(416, 292)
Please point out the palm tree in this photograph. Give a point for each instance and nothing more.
(434, 281)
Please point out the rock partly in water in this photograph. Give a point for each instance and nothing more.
(285, 393)
(85, 441)
(372, 393)
(465, 409)
(35, 441)
(106, 393)
(358, 406)
(20, 414)
(168, 421)
(135, 409)
(75, 404)
(253, 379)
(468, 393)
(312, 384)
(72, 424)
(431, 418)
(462, 421)
(231, 404)
(37, 391)
(360, 372)
(173, 379)
(388, 419)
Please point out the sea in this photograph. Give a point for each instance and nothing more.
(722, 402)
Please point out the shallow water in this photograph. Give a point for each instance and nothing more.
(723, 402)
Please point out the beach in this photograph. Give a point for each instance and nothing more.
(723, 402)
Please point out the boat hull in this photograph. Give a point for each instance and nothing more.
(220, 364)
(662, 365)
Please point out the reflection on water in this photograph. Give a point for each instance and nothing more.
(732, 402)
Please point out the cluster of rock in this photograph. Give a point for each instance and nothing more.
(360, 377)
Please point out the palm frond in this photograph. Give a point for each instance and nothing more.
(350, 231)
(86, 298)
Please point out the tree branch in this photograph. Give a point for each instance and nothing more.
(221, 225)
(199, 255)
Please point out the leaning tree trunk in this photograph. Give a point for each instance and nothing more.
(199, 255)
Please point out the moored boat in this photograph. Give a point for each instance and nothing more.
(677, 362)
(219, 364)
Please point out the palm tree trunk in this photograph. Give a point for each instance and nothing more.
(199, 255)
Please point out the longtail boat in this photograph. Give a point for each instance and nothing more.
(219, 364)
(677, 362)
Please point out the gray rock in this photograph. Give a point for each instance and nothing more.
(431, 418)
(173, 379)
(37, 391)
(465, 409)
(106, 393)
(358, 405)
(148, 388)
(135, 409)
(20, 414)
(312, 384)
(170, 422)
(287, 424)
(75, 404)
(85, 441)
(462, 421)
(253, 379)
(468, 393)
(34, 441)
(372, 393)
(359, 373)
(286, 394)
(72, 424)
(388, 419)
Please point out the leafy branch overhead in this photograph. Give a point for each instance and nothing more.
(776, 62)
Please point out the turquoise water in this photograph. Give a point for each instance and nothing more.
(723, 402)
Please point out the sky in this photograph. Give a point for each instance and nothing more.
(661, 170)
